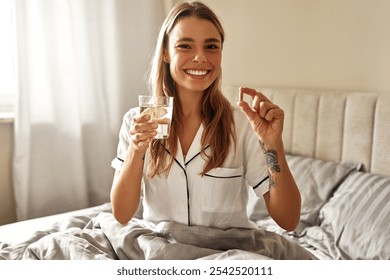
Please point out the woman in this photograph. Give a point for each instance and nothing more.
(201, 174)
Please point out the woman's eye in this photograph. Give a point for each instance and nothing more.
(212, 47)
(183, 46)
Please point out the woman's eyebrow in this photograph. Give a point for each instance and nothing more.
(208, 40)
(213, 40)
(186, 39)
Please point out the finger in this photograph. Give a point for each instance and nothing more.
(265, 107)
(142, 130)
(256, 103)
(248, 91)
(259, 104)
(274, 114)
(252, 93)
(142, 123)
(142, 136)
(257, 97)
(250, 113)
(143, 127)
(263, 97)
(243, 104)
(141, 118)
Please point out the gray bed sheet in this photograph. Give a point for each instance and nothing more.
(97, 235)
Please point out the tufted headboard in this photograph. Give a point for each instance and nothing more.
(337, 126)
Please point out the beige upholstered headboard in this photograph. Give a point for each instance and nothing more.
(337, 126)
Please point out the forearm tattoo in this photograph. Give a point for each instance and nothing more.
(272, 163)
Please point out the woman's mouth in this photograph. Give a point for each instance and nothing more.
(198, 73)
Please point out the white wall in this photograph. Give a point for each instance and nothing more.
(332, 44)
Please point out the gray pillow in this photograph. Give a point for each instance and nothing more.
(358, 216)
(316, 180)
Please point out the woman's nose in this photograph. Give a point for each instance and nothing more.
(200, 57)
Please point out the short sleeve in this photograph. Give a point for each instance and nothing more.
(124, 139)
(256, 167)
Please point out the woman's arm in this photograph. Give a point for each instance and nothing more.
(126, 186)
(283, 200)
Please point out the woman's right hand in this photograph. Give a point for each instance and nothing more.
(142, 131)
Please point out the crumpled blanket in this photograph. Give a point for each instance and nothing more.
(103, 238)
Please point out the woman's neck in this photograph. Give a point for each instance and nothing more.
(191, 104)
(191, 118)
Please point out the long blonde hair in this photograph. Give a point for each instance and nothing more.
(217, 114)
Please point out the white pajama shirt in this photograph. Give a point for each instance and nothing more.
(217, 199)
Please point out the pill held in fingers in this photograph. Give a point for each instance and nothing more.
(241, 96)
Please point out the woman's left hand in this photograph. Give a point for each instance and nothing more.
(265, 117)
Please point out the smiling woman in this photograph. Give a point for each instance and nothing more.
(202, 173)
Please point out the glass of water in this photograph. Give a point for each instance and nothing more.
(160, 109)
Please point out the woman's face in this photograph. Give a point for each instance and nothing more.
(194, 54)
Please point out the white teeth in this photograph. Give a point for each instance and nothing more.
(197, 72)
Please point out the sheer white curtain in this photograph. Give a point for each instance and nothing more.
(81, 64)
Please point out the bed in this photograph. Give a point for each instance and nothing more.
(337, 146)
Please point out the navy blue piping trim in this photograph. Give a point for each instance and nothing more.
(262, 181)
(195, 156)
(188, 193)
(188, 190)
(220, 177)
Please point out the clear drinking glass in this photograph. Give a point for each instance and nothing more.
(160, 109)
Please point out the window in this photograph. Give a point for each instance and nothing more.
(7, 60)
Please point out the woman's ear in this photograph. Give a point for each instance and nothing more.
(165, 57)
